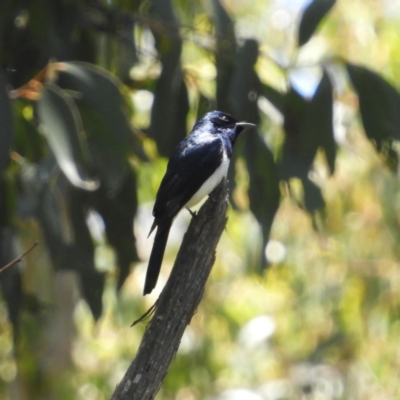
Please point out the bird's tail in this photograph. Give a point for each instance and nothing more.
(156, 257)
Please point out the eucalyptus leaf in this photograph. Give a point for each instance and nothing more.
(62, 126)
(171, 104)
(319, 122)
(311, 18)
(275, 97)
(297, 155)
(242, 96)
(99, 99)
(225, 55)
(313, 199)
(379, 104)
(118, 213)
(264, 193)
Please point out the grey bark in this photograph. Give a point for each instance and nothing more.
(178, 301)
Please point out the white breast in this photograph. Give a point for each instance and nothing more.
(211, 183)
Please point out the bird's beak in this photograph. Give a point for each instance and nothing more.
(245, 125)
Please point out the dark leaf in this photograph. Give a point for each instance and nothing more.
(312, 16)
(308, 126)
(6, 125)
(126, 52)
(171, 105)
(225, 55)
(82, 240)
(264, 190)
(242, 96)
(297, 154)
(92, 283)
(51, 211)
(245, 85)
(276, 98)
(10, 279)
(379, 104)
(62, 216)
(313, 199)
(319, 122)
(205, 105)
(118, 213)
(108, 157)
(62, 127)
(110, 135)
(28, 142)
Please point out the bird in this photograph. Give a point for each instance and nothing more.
(196, 167)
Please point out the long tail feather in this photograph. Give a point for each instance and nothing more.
(156, 257)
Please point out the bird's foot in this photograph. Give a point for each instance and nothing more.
(192, 213)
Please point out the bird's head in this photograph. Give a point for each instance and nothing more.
(222, 123)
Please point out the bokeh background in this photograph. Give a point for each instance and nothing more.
(304, 299)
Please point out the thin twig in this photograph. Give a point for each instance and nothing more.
(19, 258)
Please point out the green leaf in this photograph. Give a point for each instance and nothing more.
(319, 121)
(110, 135)
(275, 97)
(264, 193)
(51, 213)
(379, 104)
(312, 16)
(308, 126)
(81, 254)
(245, 85)
(62, 126)
(6, 125)
(92, 285)
(297, 155)
(313, 199)
(171, 104)
(118, 213)
(242, 96)
(225, 55)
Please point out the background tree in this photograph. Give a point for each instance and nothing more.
(94, 96)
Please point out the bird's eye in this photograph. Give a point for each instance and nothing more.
(223, 117)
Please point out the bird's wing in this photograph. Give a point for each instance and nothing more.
(185, 175)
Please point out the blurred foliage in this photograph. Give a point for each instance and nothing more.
(93, 98)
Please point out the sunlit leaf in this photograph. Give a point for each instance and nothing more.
(6, 125)
(379, 104)
(110, 135)
(312, 16)
(62, 126)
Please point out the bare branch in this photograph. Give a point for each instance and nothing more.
(19, 258)
(178, 301)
